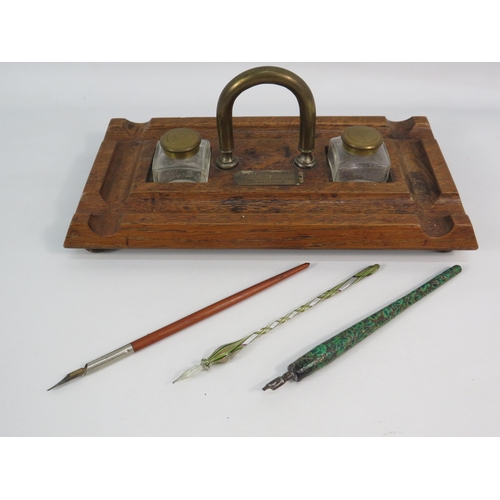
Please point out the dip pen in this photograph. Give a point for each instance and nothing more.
(330, 349)
(227, 352)
(178, 325)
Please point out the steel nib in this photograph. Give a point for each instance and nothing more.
(70, 376)
(278, 382)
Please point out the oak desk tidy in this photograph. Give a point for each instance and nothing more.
(261, 191)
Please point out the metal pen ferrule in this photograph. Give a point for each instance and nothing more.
(109, 358)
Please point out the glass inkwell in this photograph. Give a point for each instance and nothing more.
(359, 155)
(181, 155)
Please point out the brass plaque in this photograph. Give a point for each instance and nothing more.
(269, 178)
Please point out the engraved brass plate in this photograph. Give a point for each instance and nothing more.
(269, 178)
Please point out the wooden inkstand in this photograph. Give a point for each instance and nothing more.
(263, 194)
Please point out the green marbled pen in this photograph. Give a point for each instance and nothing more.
(331, 349)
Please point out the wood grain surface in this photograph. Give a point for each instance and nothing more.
(208, 311)
(419, 208)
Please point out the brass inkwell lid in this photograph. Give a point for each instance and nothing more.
(180, 142)
(361, 140)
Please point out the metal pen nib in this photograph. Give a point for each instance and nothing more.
(96, 363)
(70, 376)
(278, 382)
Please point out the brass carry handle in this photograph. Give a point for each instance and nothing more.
(257, 76)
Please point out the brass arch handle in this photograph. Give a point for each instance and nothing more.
(257, 76)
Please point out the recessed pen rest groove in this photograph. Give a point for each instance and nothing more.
(420, 209)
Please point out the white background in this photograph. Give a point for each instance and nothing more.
(433, 371)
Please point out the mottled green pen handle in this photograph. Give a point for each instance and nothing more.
(326, 352)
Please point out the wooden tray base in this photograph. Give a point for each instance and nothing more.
(418, 209)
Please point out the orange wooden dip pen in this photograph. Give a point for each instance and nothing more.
(160, 334)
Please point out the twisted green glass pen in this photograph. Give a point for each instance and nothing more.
(331, 349)
(227, 352)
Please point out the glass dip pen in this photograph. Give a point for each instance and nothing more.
(227, 352)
